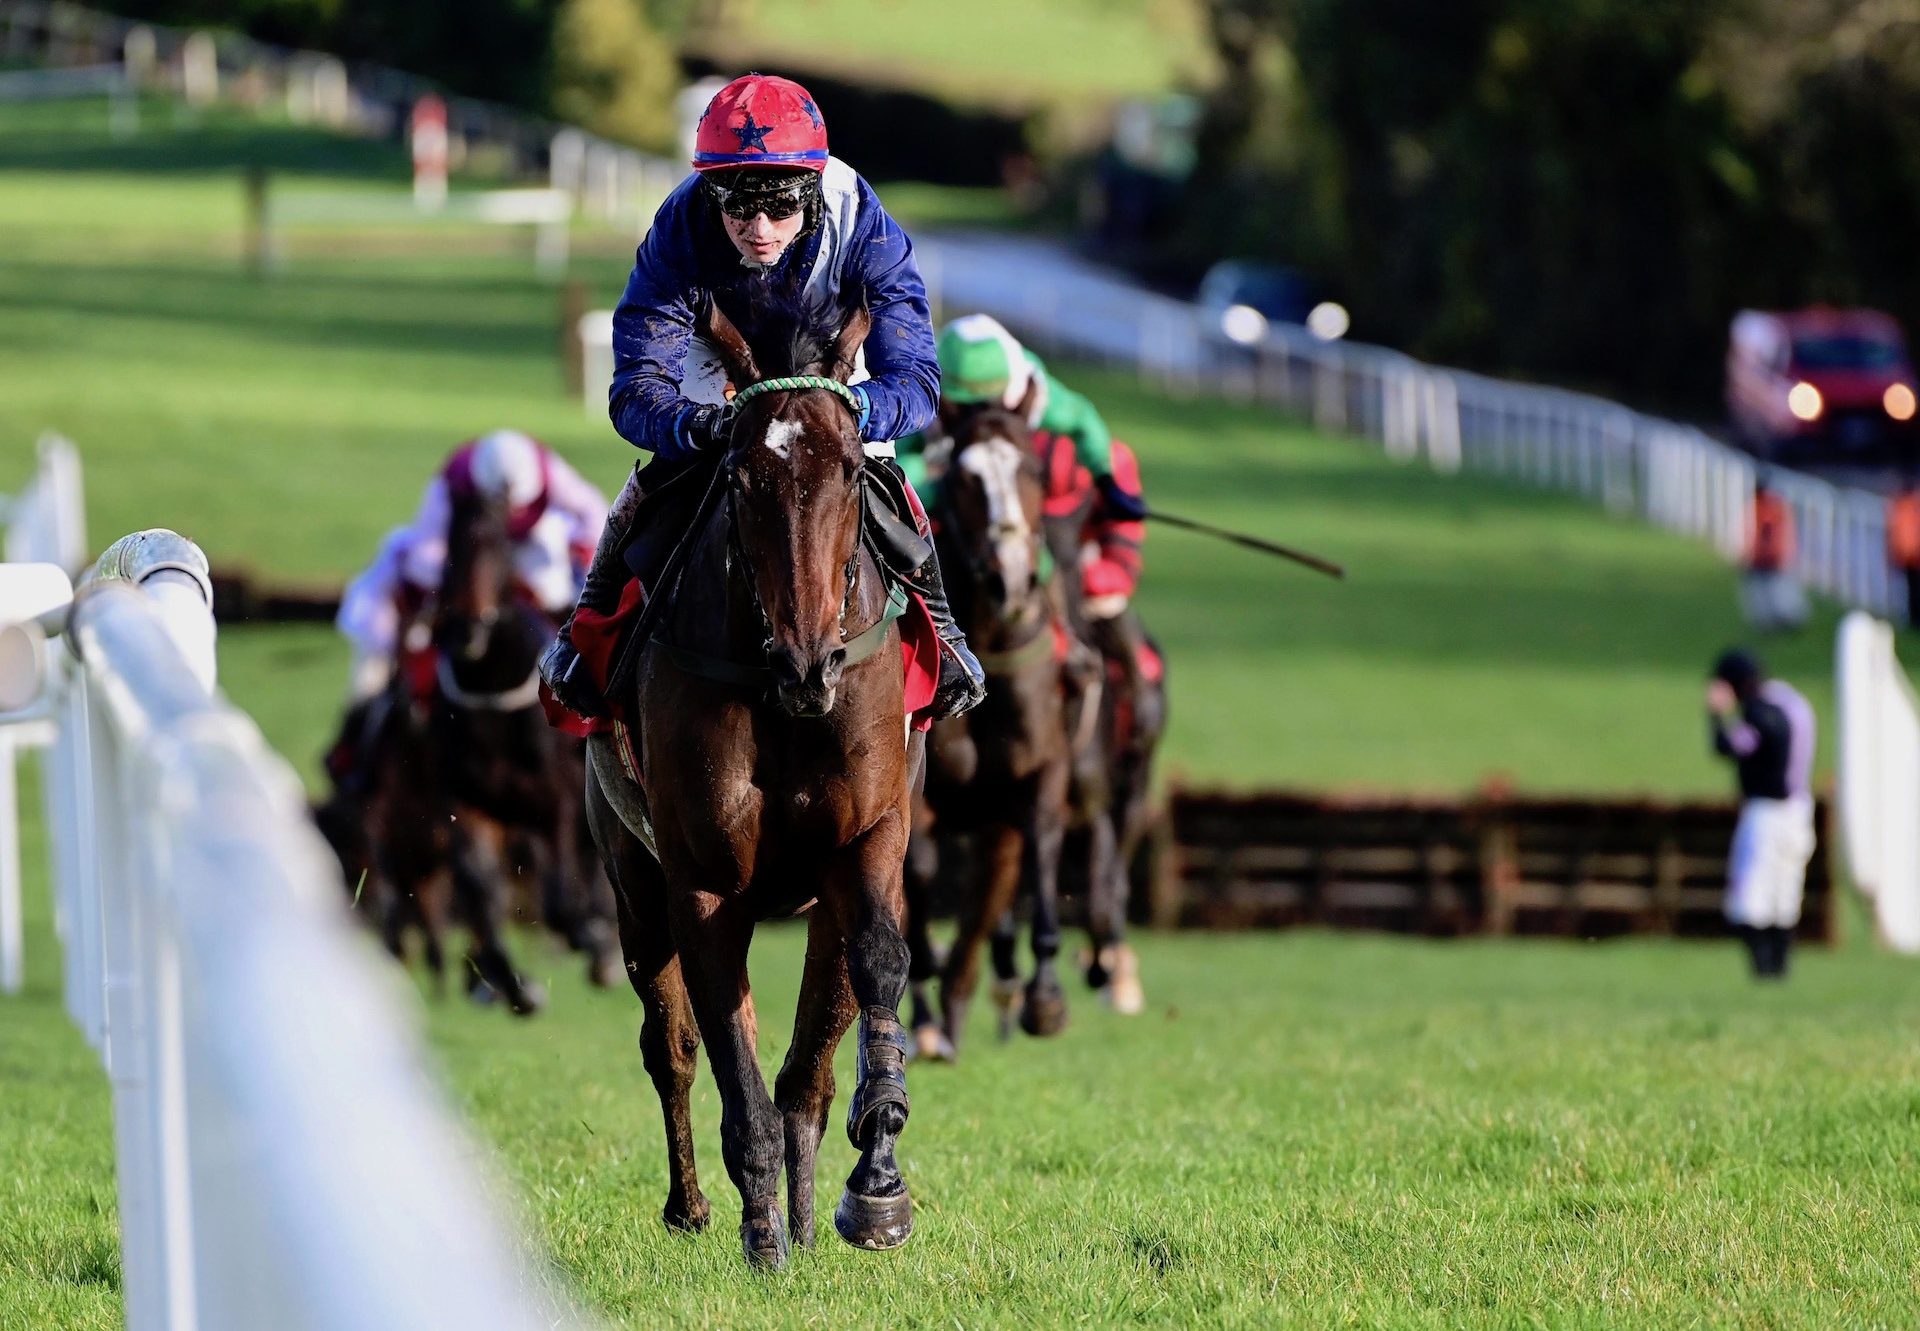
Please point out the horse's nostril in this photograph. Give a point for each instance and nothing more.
(832, 666)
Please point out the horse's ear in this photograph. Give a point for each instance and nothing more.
(846, 347)
(735, 355)
(1029, 399)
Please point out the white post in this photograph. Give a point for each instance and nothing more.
(11, 977)
(199, 70)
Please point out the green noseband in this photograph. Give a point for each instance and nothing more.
(795, 382)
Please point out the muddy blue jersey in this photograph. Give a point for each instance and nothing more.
(855, 252)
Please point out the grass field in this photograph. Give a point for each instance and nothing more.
(1307, 1130)
(989, 51)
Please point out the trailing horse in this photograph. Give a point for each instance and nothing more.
(767, 766)
(998, 777)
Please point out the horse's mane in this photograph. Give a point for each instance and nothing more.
(790, 336)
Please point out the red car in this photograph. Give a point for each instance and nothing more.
(1820, 384)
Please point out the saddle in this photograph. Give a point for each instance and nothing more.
(677, 498)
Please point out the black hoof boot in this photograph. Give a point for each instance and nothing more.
(763, 1235)
(874, 1223)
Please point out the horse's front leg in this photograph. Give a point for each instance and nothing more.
(713, 932)
(804, 1089)
(1045, 1010)
(875, 1210)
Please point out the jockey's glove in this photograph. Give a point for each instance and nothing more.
(709, 425)
(1121, 502)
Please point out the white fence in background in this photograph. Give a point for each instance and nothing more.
(1879, 788)
(609, 181)
(282, 1158)
(1673, 476)
(46, 527)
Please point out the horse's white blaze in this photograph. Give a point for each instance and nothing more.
(780, 437)
(997, 462)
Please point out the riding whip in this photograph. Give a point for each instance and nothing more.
(1313, 562)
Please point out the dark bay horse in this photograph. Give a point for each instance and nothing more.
(479, 784)
(997, 777)
(770, 769)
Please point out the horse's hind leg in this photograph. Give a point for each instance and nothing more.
(669, 1038)
(804, 1089)
(875, 1210)
(923, 964)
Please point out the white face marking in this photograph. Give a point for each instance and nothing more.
(780, 437)
(997, 463)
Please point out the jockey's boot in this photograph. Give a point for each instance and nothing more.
(565, 674)
(963, 683)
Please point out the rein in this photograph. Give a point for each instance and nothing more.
(794, 383)
(858, 648)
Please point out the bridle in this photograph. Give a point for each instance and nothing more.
(859, 647)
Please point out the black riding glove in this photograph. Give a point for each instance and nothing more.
(709, 425)
(1121, 502)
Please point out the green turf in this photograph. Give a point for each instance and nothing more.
(1308, 1130)
(993, 52)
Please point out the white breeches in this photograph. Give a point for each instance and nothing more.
(1767, 868)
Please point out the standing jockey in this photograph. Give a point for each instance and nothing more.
(554, 517)
(767, 221)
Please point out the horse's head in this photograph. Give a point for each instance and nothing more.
(794, 475)
(476, 588)
(994, 491)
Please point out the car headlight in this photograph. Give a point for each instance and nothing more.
(1243, 324)
(1899, 402)
(1805, 402)
(1329, 321)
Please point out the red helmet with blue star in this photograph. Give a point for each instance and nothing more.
(761, 120)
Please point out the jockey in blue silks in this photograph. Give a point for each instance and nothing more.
(769, 221)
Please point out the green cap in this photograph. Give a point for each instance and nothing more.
(978, 359)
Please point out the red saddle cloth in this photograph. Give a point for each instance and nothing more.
(597, 637)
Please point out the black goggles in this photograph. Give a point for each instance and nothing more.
(778, 201)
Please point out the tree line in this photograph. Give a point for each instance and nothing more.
(1577, 190)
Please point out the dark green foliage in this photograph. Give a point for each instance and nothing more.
(1584, 191)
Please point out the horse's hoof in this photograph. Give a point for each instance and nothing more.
(1125, 995)
(874, 1223)
(763, 1236)
(1044, 1014)
(687, 1217)
(529, 1000)
(931, 1045)
(606, 970)
(482, 994)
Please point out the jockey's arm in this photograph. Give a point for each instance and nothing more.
(426, 552)
(580, 502)
(902, 391)
(1071, 414)
(652, 331)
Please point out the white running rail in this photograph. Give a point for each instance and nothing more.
(282, 1158)
(46, 527)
